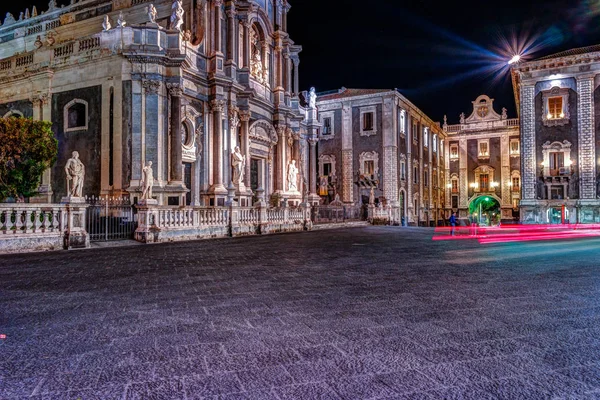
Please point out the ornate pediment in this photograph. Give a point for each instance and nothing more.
(483, 110)
(263, 131)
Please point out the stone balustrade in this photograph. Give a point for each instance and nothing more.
(163, 223)
(384, 215)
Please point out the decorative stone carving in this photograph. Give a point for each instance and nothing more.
(75, 171)
(504, 113)
(199, 21)
(234, 119)
(238, 164)
(50, 40)
(462, 118)
(147, 181)
(27, 15)
(52, 5)
(312, 98)
(151, 10)
(9, 19)
(150, 86)
(121, 20)
(175, 89)
(106, 23)
(34, 12)
(217, 105)
(256, 63)
(244, 115)
(177, 15)
(292, 177)
(38, 42)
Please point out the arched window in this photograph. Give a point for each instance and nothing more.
(14, 114)
(76, 115)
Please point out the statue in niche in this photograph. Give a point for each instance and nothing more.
(293, 177)
(256, 65)
(75, 171)
(147, 181)
(177, 15)
(312, 98)
(238, 163)
(151, 10)
(106, 23)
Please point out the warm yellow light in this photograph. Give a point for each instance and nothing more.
(449, 185)
(562, 115)
(474, 185)
(569, 163)
(542, 164)
(549, 116)
(510, 183)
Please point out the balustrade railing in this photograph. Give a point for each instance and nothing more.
(249, 216)
(30, 219)
(276, 215)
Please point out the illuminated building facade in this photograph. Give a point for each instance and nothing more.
(177, 83)
(378, 139)
(559, 101)
(483, 165)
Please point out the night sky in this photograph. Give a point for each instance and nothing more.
(441, 55)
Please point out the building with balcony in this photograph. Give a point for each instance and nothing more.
(483, 165)
(377, 141)
(177, 83)
(558, 98)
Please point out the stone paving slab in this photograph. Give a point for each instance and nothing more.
(362, 313)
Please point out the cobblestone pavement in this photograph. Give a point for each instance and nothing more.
(376, 312)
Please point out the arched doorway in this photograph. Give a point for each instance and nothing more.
(485, 210)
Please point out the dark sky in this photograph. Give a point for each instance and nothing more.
(441, 55)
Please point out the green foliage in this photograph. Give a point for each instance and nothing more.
(27, 149)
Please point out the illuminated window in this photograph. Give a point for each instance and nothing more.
(514, 147)
(484, 182)
(454, 151)
(326, 126)
(401, 122)
(484, 148)
(557, 161)
(454, 185)
(555, 107)
(516, 184)
(434, 143)
(426, 137)
(369, 168)
(368, 121)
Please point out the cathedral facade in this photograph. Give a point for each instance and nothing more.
(204, 90)
(559, 101)
(483, 165)
(377, 144)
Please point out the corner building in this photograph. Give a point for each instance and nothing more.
(181, 87)
(559, 101)
(376, 138)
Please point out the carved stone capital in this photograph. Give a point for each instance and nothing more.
(234, 119)
(281, 130)
(244, 115)
(217, 105)
(175, 89)
(40, 99)
(312, 142)
(231, 13)
(150, 86)
(218, 3)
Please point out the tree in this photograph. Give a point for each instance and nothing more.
(27, 149)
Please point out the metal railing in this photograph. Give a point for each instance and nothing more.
(110, 218)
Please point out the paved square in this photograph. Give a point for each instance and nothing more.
(365, 313)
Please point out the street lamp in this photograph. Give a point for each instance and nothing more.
(516, 58)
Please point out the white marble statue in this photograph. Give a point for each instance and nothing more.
(462, 118)
(151, 10)
(238, 163)
(106, 23)
(293, 177)
(52, 5)
(75, 171)
(9, 19)
(504, 113)
(147, 181)
(121, 20)
(312, 98)
(177, 15)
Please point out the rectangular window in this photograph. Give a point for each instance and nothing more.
(515, 184)
(434, 143)
(416, 175)
(369, 168)
(327, 126)
(368, 121)
(425, 178)
(402, 170)
(555, 107)
(415, 134)
(435, 180)
(514, 147)
(557, 161)
(454, 151)
(454, 185)
(483, 149)
(454, 201)
(326, 169)
(425, 137)
(557, 192)
(484, 182)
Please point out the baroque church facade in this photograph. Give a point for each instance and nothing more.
(180, 84)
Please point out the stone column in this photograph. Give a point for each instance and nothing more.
(587, 145)
(245, 145)
(282, 159)
(313, 168)
(234, 122)
(217, 25)
(347, 170)
(175, 93)
(247, 54)
(296, 62)
(528, 153)
(505, 178)
(288, 74)
(463, 176)
(217, 107)
(231, 62)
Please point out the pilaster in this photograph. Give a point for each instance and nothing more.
(528, 155)
(587, 145)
